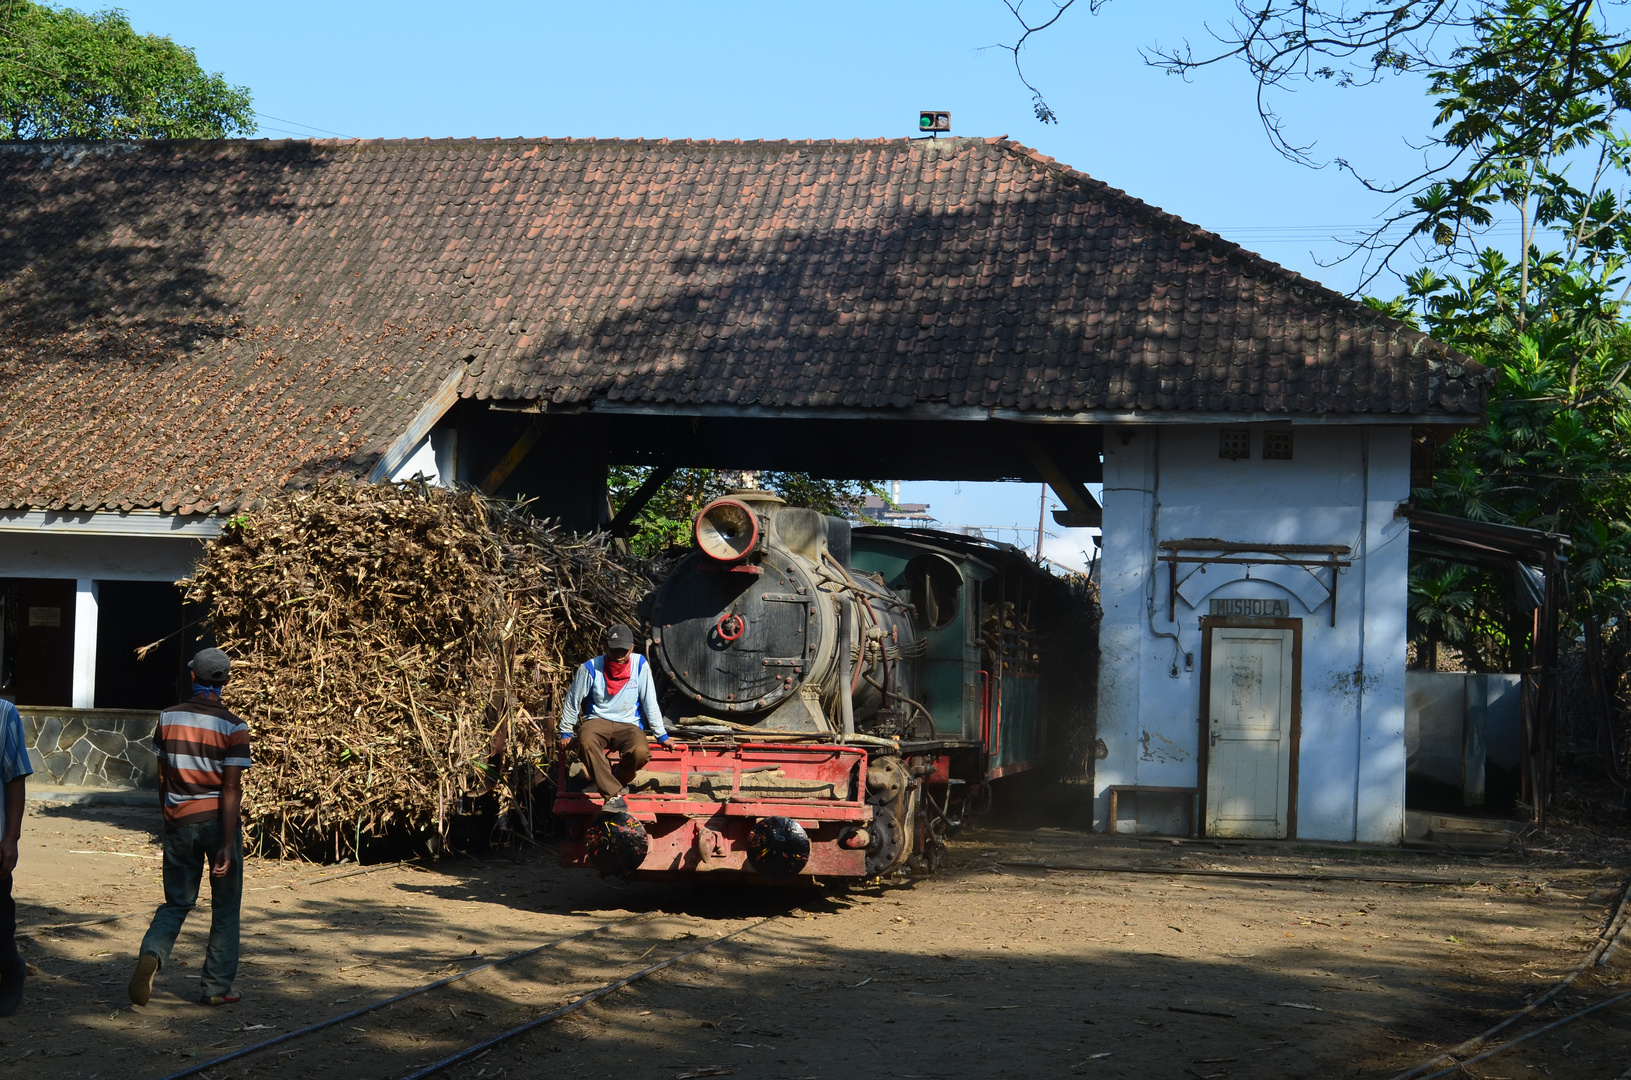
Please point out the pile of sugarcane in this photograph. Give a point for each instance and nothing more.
(400, 653)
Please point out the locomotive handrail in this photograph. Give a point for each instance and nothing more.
(985, 705)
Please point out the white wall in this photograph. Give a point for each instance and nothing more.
(86, 618)
(1341, 487)
(435, 459)
(119, 558)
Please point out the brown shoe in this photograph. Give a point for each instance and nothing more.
(141, 983)
(220, 999)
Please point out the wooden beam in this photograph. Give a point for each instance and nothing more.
(517, 454)
(1081, 509)
(622, 524)
(435, 407)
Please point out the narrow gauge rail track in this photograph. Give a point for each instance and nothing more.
(482, 1046)
(1607, 942)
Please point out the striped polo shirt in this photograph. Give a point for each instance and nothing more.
(196, 741)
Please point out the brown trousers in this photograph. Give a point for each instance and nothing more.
(596, 736)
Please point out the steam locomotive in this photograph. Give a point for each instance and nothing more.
(840, 699)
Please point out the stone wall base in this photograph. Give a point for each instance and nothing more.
(91, 747)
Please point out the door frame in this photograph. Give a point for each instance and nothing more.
(1204, 759)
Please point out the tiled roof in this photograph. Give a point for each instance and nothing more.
(184, 325)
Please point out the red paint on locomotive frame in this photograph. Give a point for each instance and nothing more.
(702, 834)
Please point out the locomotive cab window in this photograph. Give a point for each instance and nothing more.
(933, 584)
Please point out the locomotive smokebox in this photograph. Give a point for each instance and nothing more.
(778, 847)
(753, 626)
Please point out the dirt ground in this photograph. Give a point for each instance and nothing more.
(989, 969)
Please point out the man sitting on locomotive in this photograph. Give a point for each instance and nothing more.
(612, 693)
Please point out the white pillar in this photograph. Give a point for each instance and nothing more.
(1129, 502)
(85, 606)
(1379, 799)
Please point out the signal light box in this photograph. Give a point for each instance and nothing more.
(930, 120)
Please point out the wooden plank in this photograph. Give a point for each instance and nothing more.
(1082, 510)
(435, 407)
(518, 453)
(1207, 543)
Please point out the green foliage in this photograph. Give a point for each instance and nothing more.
(68, 75)
(1440, 606)
(1537, 91)
(1539, 84)
(1556, 453)
(666, 520)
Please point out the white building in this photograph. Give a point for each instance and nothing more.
(1271, 681)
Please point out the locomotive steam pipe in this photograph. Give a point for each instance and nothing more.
(846, 701)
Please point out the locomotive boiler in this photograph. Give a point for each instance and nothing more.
(840, 698)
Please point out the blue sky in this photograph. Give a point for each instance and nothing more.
(834, 69)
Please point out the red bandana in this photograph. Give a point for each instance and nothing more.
(617, 674)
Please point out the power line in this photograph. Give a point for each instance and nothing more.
(298, 124)
(1349, 234)
(286, 131)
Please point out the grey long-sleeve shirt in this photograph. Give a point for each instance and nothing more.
(637, 698)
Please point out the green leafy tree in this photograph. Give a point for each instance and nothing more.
(68, 75)
(1522, 89)
(1537, 94)
(666, 520)
(1440, 608)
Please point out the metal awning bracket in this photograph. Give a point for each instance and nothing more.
(1209, 551)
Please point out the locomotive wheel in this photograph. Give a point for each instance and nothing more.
(884, 849)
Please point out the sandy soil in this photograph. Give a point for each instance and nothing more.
(990, 969)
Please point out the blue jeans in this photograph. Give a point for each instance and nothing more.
(186, 853)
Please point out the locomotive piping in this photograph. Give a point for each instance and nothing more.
(888, 693)
(865, 602)
(846, 691)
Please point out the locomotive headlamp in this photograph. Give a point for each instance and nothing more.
(726, 530)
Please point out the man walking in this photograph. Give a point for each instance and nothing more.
(202, 751)
(14, 767)
(612, 692)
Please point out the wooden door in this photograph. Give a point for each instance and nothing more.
(1251, 702)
